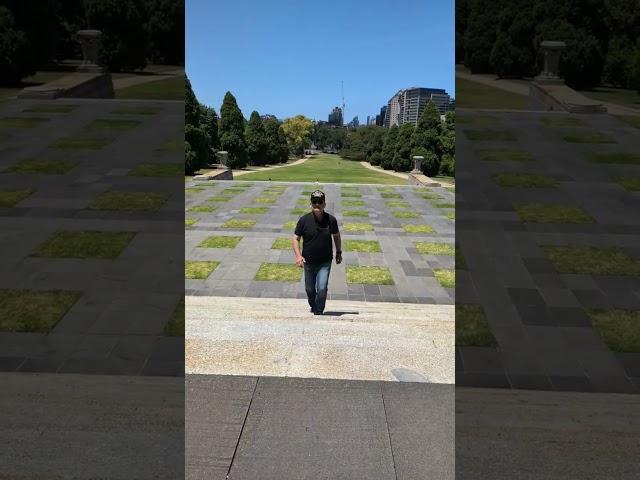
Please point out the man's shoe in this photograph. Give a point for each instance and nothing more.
(317, 313)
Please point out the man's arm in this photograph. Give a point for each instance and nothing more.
(338, 241)
(295, 241)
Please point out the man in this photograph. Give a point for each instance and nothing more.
(316, 229)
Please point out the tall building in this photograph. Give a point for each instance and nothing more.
(335, 117)
(380, 116)
(407, 105)
(355, 123)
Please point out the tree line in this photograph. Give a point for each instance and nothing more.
(503, 37)
(35, 34)
(393, 148)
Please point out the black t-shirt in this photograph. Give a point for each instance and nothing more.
(316, 235)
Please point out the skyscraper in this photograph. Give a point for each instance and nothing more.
(407, 105)
(335, 117)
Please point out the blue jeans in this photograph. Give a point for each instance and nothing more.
(316, 280)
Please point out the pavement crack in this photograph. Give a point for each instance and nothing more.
(386, 422)
(246, 415)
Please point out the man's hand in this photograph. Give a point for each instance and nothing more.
(300, 261)
(338, 257)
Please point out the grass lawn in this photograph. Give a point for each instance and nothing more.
(404, 214)
(157, 170)
(218, 198)
(279, 272)
(350, 194)
(10, 198)
(552, 213)
(129, 201)
(197, 270)
(172, 146)
(619, 96)
(471, 94)
(390, 195)
(587, 137)
(562, 121)
(203, 208)
(264, 200)
(447, 278)
(326, 168)
(592, 260)
(450, 189)
(299, 211)
(631, 120)
(136, 110)
(426, 248)
(397, 204)
(290, 225)
(443, 205)
(283, 244)
(429, 196)
(524, 180)
(358, 227)
(50, 108)
(619, 329)
(175, 327)
(235, 223)
(84, 244)
(413, 228)
(370, 246)
(489, 135)
(254, 210)
(43, 166)
(172, 88)
(188, 222)
(355, 213)
(472, 327)
(616, 158)
(194, 190)
(22, 122)
(450, 215)
(237, 190)
(369, 275)
(505, 155)
(461, 263)
(477, 120)
(34, 311)
(222, 241)
(629, 183)
(81, 143)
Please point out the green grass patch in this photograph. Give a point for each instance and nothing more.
(219, 199)
(233, 191)
(619, 329)
(398, 204)
(203, 208)
(278, 272)
(631, 120)
(629, 183)
(429, 248)
(129, 201)
(450, 215)
(490, 135)
(390, 195)
(171, 88)
(326, 168)
(157, 170)
(172, 146)
(136, 110)
(413, 228)
(290, 225)
(562, 121)
(406, 214)
(282, 244)
(188, 222)
(504, 155)
(194, 189)
(369, 275)
(34, 311)
(309, 191)
(107, 126)
(42, 166)
(175, 327)
(429, 196)
(236, 223)
(350, 194)
(592, 260)
(254, 210)
(221, 241)
(470, 94)
(444, 205)
(369, 246)
(264, 200)
(353, 203)
(450, 189)
(299, 211)
(616, 158)
(11, 197)
(84, 244)
(199, 270)
(472, 327)
(50, 109)
(524, 180)
(81, 143)
(355, 213)
(22, 122)
(477, 120)
(461, 263)
(620, 96)
(447, 278)
(358, 227)
(551, 213)
(587, 137)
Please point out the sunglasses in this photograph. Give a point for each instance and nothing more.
(317, 202)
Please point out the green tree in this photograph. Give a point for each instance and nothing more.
(402, 158)
(209, 122)
(15, 62)
(255, 136)
(197, 141)
(232, 132)
(298, 133)
(426, 140)
(389, 148)
(191, 105)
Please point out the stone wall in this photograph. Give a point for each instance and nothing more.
(421, 180)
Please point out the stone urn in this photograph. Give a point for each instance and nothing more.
(551, 69)
(417, 164)
(90, 43)
(223, 156)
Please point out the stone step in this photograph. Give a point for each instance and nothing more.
(352, 341)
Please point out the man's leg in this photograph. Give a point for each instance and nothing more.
(322, 285)
(310, 274)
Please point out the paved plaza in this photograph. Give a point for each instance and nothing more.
(76, 169)
(548, 225)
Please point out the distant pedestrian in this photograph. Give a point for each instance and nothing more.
(316, 229)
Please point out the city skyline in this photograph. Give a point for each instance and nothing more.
(284, 75)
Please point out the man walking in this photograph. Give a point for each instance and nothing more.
(316, 229)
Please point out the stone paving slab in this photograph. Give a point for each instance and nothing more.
(538, 316)
(125, 300)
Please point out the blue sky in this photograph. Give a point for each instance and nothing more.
(286, 57)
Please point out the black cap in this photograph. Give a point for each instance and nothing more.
(317, 194)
